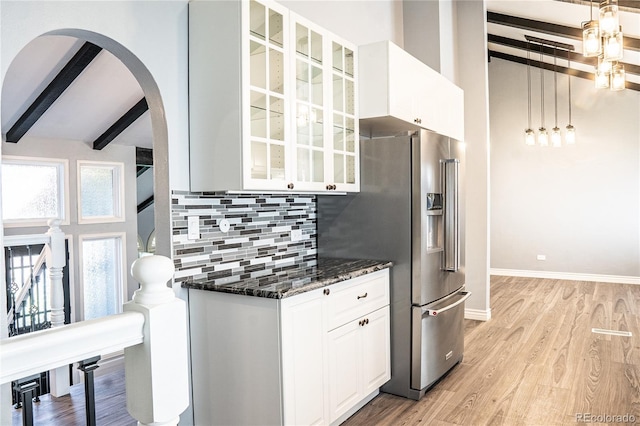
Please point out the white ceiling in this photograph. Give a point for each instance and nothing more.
(93, 102)
(106, 89)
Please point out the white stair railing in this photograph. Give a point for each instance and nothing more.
(152, 330)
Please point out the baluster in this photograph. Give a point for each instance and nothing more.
(56, 259)
(87, 367)
(26, 388)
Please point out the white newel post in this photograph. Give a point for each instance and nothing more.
(156, 371)
(56, 257)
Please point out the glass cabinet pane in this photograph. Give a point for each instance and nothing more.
(276, 33)
(302, 40)
(276, 112)
(257, 21)
(338, 168)
(348, 62)
(349, 97)
(317, 126)
(303, 124)
(258, 160)
(351, 169)
(338, 93)
(316, 83)
(277, 162)
(303, 165)
(258, 114)
(338, 132)
(258, 64)
(316, 47)
(276, 71)
(318, 166)
(350, 135)
(337, 57)
(302, 80)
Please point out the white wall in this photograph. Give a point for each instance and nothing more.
(578, 205)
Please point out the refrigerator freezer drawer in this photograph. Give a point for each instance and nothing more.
(437, 340)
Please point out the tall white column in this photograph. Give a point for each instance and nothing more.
(156, 371)
(56, 258)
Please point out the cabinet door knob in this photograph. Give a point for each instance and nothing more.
(290, 186)
(417, 120)
(326, 291)
(363, 296)
(334, 186)
(328, 187)
(366, 321)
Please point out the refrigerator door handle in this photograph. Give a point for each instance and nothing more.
(433, 312)
(451, 256)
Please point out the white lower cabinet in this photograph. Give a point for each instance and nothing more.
(358, 360)
(265, 361)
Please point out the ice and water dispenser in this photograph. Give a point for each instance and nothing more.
(434, 222)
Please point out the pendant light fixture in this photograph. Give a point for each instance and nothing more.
(570, 131)
(591, 41)
(556, 137)
(609, 19)
(529, 134)
(617, 77)
(543, 135)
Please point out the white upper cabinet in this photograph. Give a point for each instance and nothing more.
(270, 107)
(400, 93)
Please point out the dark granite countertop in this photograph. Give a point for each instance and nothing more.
(294, 281)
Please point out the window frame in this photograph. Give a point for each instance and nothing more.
(62, 166)
(118, 192)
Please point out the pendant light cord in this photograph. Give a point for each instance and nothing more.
(569, 82)
(555, 86)
(529, 82)
(541, 88)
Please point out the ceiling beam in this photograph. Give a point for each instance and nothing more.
(144, 160)
(563, 70)
(83, 57)
(549, 28)
(119, 126)
(562, 55)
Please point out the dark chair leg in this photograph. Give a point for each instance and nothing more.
(87, 367)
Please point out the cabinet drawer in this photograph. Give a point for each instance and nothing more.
(354, 298)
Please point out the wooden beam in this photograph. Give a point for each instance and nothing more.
(573, 56)
(141, 169)
(562, 70)
(146, 203)
(58, 85)
(549, 28)
(144, 156)
(119, 126)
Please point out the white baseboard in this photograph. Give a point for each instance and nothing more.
(477, 314)
(620, 279)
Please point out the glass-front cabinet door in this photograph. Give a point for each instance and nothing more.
(309, 104)
(267, 126)
(345, 122)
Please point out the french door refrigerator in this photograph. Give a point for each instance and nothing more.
(410, 211)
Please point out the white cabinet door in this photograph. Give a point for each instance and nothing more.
(303, 363)
(344, 369)
(376, 360)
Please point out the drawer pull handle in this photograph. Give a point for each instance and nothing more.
(363, 322)
(363, 296)
(326, 291)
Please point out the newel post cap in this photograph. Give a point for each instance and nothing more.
(153, 272)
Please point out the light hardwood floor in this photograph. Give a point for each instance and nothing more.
(536, 362)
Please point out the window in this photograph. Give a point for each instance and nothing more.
(102, 271)
(100, 192)
(34, 190)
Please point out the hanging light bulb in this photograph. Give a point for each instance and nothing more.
(612, 46)
(591, 42)
(617, 77)
(570, 131)
(609, 20)
(602, 79)
(529, 134)
(604, 66)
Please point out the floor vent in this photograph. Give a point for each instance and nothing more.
(611, 332)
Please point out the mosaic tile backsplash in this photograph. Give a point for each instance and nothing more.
(258, 242)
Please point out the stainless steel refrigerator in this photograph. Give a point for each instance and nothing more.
(410, 210)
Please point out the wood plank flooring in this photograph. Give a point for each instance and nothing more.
(536, 362)
(69, 410)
